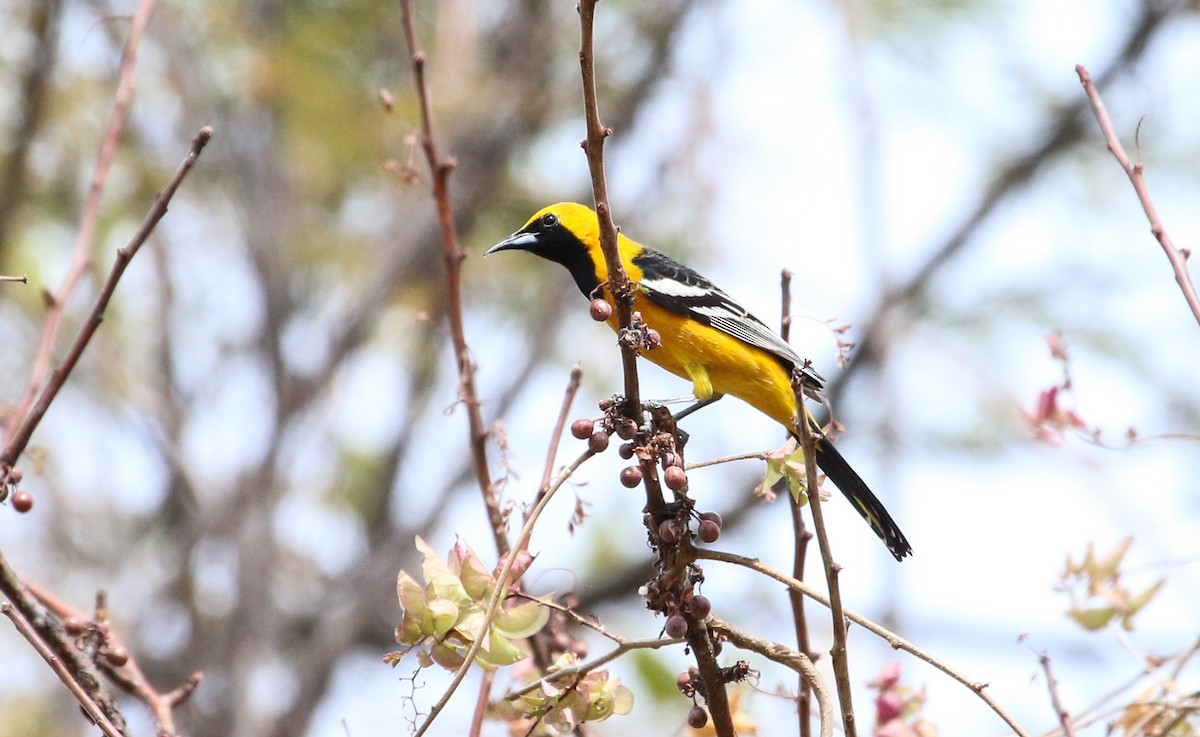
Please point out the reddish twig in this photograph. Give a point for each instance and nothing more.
(841, 663)
(64, 674)
(559, 426)
(51, 634)
(1064, 717)
(440, 168)
(618, 281)
(801, 536)
(125, 671)
(91, 209)
(1135, 171)
(20, 438)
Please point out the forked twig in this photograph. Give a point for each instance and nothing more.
(1135, 171)
(58, 377)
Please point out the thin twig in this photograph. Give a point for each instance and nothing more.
(559, 425)
(64, 674)
(454, 255)
(91, 211)
(51, 633)
(841, 661)
(797, 661)
(1178, 257)
(801, 538)
(895, 641)
(158, 209)
(582, 669)
(754, 455)
(618, 282)
(501, 586)
(129, 675)
(1064, 717)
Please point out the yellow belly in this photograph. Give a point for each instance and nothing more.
(716, 363)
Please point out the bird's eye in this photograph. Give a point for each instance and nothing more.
(549, 220)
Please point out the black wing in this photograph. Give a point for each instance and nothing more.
(673, 286)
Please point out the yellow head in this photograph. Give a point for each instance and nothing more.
(567, 233)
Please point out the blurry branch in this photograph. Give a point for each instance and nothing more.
(501, 587)
(87, 228)
(1178, 257)
(28, 423)
(44, 21)
(1063, 130)
(891, 638)
(841, 661)
(582, 669)
(1063, 716)
(440, 168)
(49, 632)
(559, 425)
(120, 666)
(801, 538)
(797, 661)
(64, 674)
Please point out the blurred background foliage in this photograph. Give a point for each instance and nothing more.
(267, 417)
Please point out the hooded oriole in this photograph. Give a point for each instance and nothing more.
(707, 337)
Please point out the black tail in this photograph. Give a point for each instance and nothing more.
(868, 505)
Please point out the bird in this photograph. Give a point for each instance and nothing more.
(707, 337)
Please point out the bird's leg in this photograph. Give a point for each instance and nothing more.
(700, 403)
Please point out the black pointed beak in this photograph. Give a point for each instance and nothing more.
(519, 241)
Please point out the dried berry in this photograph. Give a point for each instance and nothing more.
(625, 451)
(626, 428)
(598, 442)
(712, 517)
(118, 656)
(675, 478)
(600, 310)
(22, 501)
(668, 530)
(700, 606)
(683, 682)
(582, 429)
(631, 476)
(697, 717)
(676, 626)
(653, 338)
(708, 531)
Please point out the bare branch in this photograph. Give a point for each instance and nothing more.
(64, 674)
(453, 256)
(1135, 171)
(20, 438)
(1064, 717)
(895, 641)
(91, 210)
(841, 661)
(797, 661)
